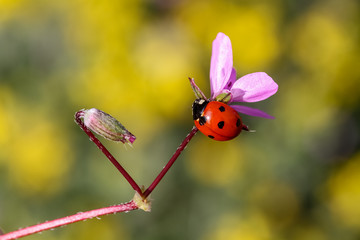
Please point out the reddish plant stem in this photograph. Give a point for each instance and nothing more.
(78, 120)
(107, 210)
(69, 219)
(170, 163)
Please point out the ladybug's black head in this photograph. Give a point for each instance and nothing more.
(198, 107)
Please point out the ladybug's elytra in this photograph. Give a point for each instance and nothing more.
(217, 120)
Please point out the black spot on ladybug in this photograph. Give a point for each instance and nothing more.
(222, 109)
(221, 124)
(210, 136)
(202, 120)
(238, 122)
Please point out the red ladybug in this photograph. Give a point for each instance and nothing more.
(217, 120)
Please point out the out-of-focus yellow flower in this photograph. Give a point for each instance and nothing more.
(151, 82)
(320, 42)
(215, 163)
(99, 34)
(38, 156)
(164, 58)
(345, 89)
(6, 101)
(7, 8)
(254, 38)
(137, 72)
(252, 29)
(324, 45)
(234, 227)
(344, 193)
(101, 27)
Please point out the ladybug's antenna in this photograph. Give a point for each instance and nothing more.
(196, 89)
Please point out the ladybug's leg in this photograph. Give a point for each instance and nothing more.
(244, 127)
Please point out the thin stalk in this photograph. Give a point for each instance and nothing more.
(170, 163)
(107, 210)
(131, 181)
(69, 219)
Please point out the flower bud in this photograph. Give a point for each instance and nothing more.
(106, 126)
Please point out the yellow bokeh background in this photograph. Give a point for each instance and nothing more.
(296, 177)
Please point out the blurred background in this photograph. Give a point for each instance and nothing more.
(297, 177)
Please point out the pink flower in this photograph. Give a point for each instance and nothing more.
(252, 87)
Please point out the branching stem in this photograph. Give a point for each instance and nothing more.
(107, 210)
(170, 163)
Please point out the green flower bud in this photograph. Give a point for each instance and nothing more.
(106, 126)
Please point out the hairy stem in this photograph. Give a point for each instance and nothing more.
(131, 181)
(69, 219)
(170, 163)
(107, 210)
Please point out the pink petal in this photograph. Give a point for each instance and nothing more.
(232, 79)
(253, 87)
(251, 111)
(221, 63)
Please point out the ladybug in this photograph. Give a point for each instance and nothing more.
(217, 120)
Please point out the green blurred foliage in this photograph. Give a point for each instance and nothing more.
(297, 177)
